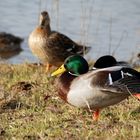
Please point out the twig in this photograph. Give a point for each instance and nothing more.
(110, 36)
(120, 41)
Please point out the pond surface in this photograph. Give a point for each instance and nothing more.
(108, 26)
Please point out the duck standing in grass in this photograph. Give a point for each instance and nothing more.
(50, 46)
(95, 89)
(9, 45)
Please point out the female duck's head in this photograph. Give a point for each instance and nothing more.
(44, 19)
(74, 64)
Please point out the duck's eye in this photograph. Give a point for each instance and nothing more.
(67, 61)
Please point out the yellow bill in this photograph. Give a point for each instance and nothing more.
(59, 70)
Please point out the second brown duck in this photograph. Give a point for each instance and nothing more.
(10, 45)
(50, 46)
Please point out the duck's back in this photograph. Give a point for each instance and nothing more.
(104, 87)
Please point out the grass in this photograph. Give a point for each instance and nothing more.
(26, 114)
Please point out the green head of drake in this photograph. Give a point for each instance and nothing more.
(74, 64)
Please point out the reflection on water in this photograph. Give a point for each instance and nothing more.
(104, 25)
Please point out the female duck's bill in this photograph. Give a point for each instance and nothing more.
(98, 88)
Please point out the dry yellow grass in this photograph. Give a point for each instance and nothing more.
(24, 114)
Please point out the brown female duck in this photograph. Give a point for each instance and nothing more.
(50, 46)
(9, 45)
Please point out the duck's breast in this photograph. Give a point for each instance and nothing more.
(37, 43)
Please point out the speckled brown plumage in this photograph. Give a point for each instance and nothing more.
(9, 45)
(50, 46)
(7, 38)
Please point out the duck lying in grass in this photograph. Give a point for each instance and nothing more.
(50, 46)
(9, 45)
(109, 61)
(95, 89)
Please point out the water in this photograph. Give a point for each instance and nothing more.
(104, 25)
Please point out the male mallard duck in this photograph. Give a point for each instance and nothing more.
(9, 45)
(50, 46)
(95, 89)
